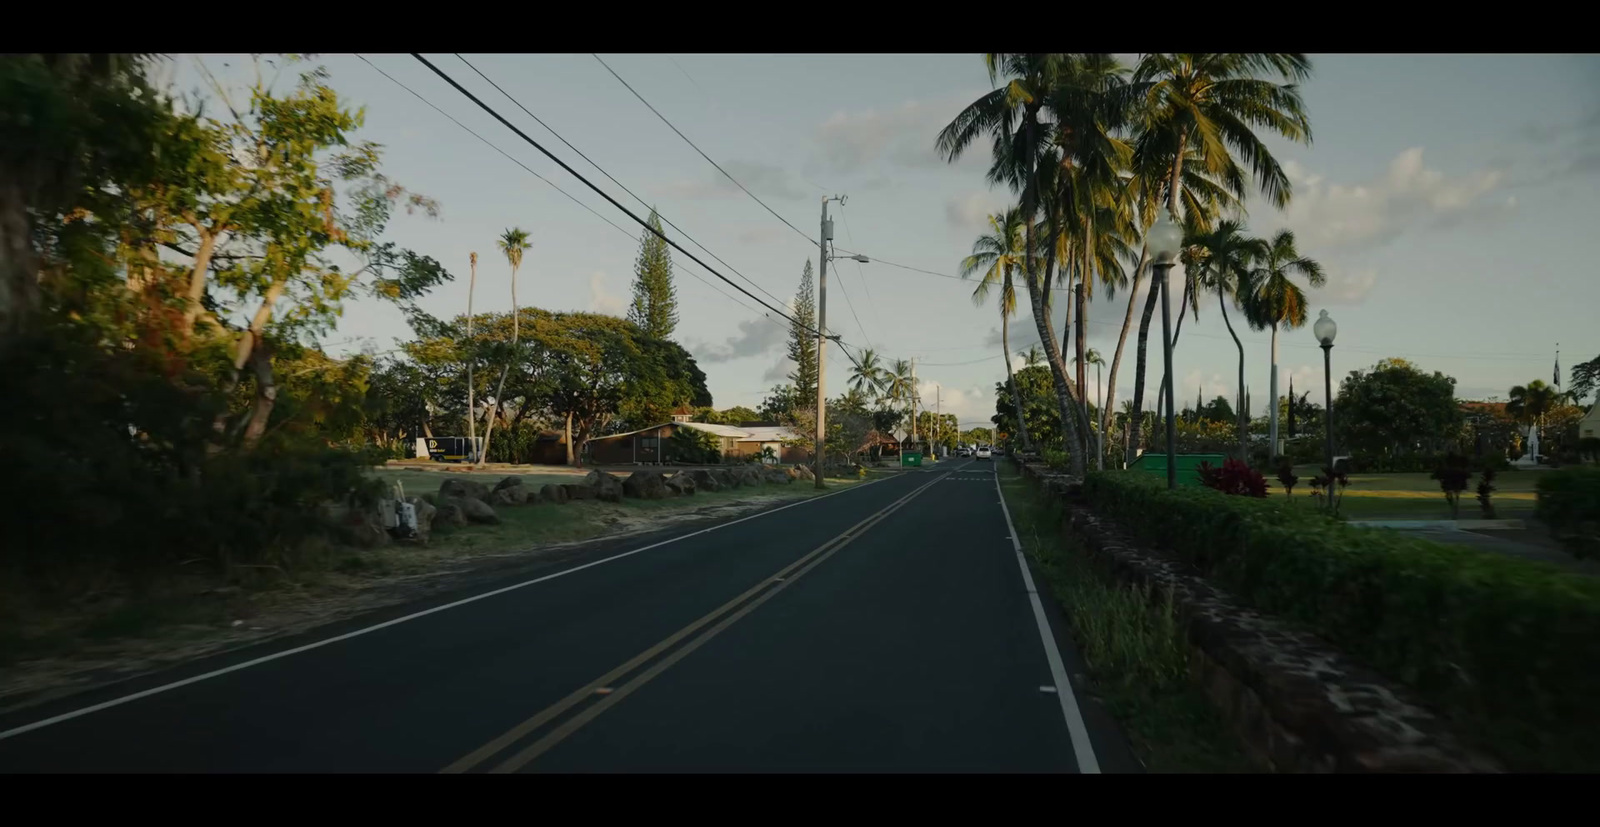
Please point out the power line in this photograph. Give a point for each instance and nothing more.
(641, 222)
(593, 163)
(552, 184)
(686, 140)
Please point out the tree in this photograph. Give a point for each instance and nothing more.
(1043, 416)
(1218, 410)
(867, 374)
(1394, 406)
(1273, 301)
(997, 254)
(803, 340)
(1032, 78)
(1585, 378)
(900, 384)
(1202, 109)
(513, 243)
(1530, 403)
(779, 403)
(655, 300)
(68, 122)
(1225, 256)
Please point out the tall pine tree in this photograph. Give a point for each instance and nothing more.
(655, 300)
(803, 341)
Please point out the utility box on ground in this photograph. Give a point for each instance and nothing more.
(911, 459)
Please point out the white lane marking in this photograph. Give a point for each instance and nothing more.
(77, 713)
(1048, 690)
(1082, 748)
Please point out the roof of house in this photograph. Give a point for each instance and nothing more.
(768, 433)
(717, 430)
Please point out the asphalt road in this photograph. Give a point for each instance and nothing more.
(886, 628)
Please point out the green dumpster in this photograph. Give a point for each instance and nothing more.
(911, 459)
(1155, 462)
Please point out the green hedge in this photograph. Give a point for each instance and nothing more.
(1569, 502)
(1504, 647)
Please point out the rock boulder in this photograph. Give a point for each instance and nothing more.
(681, 483)
(646, 485)
(465, 489)
(475, 510)
(554, 494)
(605, 486)
(705, 479)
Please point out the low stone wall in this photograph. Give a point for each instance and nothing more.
(1295, 700)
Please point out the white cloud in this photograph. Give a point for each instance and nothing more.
(903, 135)
(765, 180)
(969, 213)
(602, 300)
(760, 235)
(755, 337)
(1408, 196)
(1345, 286)
(779, 371)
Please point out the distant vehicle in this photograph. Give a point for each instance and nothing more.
(983, 452)
(963, 451)
(997, 451)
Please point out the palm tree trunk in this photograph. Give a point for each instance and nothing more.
(1272, 409)
(1011, 377)
(1041, 317)
(1243, 415)
(1122, 340)
(483, 460)
(567, 436)
(1140, 362)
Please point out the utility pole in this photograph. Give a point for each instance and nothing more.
(913, 401)
(822, 337)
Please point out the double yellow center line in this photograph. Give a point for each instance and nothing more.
(610, 693)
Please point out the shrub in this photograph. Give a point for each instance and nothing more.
(1286, 477)
(1486, 489)
(1504, 646)
(1453, 474)
(1234, 477)
(1569, 502)
(1057, 460)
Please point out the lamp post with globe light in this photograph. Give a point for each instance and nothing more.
(1164, 239)
(1325, 329)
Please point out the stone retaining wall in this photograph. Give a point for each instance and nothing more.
(1295, 700)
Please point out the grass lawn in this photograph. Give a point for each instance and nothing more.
(1416, 496)
(1134, 648)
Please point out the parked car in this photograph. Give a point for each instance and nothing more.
(983, 452)
(963, 451)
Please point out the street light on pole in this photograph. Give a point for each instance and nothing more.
(822, 325)
(1164, 239)
(1325, 329)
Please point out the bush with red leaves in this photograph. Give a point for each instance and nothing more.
(1234, 477)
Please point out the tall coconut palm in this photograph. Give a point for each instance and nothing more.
(1226, 256)
(898, 382)
(1274, 301)
(1033, 358)
(1529, 403)
(1204, 109)
(867, 376)
(996, 254)
(514, 242)
(1009, 115)
(1092, 357)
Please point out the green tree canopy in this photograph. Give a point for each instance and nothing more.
(655, 299)
(1395, 406)
(803, 340)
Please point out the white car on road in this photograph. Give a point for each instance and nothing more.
(983, 452)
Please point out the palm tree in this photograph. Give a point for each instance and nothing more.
(997, 253)
(1033, 358)
(1273, 301)
(868, 374)
(1222, 260)
(514, 242)
(1009, 115)
(1202, 109)
(899, 383)
(1092, 357)
(1530, 403)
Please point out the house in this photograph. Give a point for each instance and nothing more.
(649, 446)
(780, 439)
(1589, 426)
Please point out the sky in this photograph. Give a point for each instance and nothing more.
(1451, 199)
